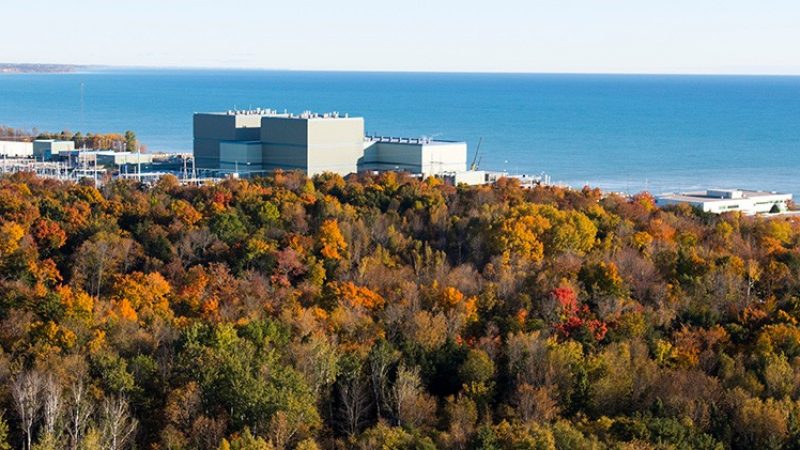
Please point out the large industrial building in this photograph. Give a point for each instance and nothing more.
(719, 201)
(262, 140)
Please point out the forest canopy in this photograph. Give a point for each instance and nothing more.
(388, 312)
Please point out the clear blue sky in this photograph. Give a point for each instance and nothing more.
(628, 36)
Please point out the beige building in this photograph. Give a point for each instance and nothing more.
(313, 143)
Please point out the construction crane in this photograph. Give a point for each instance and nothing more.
(475, 160)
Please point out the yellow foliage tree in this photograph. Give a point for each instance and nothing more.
(77, 303)
(10, 235)
(331, 241)
(185, 213)
(356, 296)
(146, 294)
(520, 235)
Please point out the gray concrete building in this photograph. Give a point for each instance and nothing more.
(211, 129)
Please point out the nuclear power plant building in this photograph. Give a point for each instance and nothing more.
(262, 140)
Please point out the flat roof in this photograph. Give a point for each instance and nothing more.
(409, 141)
(258, 112)
(107, 152)
(314, 116)
(242, 112)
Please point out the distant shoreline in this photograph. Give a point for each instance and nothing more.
(6, 68)
(28, 68)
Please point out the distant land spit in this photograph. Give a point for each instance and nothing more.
(38, 68)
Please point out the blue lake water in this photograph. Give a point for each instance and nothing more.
(619, 132)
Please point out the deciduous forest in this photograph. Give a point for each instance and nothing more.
(387, 312)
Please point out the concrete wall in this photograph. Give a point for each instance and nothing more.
(763, 205)
(285, 143)
(16, 149)
(335, 145)
(439, 157)
(211, 129)
(245, 156)
(392, 156)
(206, 153)
(248, 127)
(214, 126)
(418, 157)
(313, 145)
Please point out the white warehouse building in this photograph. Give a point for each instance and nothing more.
(718, 201)
(16, 149)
